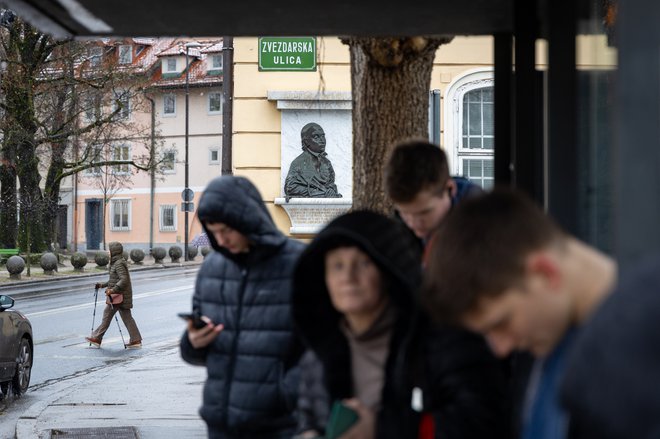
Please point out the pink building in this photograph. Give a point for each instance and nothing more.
(144, 210)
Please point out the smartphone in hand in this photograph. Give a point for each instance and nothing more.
(341, 419)
(198, 323)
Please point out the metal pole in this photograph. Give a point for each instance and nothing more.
(185, 232)
(228, 104)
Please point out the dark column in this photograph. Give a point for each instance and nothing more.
(503, 92)
(562, 149)
(528, 147)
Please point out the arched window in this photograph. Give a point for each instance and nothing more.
(469, 134)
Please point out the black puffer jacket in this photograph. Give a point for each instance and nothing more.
(463, 385)
(252, 382)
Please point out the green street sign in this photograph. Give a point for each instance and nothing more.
(291, 54)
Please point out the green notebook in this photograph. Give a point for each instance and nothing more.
(341, 419)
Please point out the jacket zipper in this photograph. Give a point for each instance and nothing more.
(232, 353)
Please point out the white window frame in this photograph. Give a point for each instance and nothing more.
(453, 118)
(95, 171)
(173, 169)
(161, 218)
(465, 173)
(125, 54)
(208, 107)
(165, 113)
(93, 104)
(125, 112)
(166, 65)
(129, 214)
(123, 169)
(212, 62)
(95, 56)
(217, 161)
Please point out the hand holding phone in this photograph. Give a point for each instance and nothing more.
(198, 323)
(201, 330)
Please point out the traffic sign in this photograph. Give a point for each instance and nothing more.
(187, 194)
(187, 206)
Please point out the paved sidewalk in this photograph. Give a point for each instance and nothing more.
(156, 396)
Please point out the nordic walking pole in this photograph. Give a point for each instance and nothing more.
(119, 326)
(96, 296)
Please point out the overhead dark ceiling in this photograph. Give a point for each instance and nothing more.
(266, 17)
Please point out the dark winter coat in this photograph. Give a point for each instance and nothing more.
(610, 387)
(251, 389)
(463, 385)
(119, 280)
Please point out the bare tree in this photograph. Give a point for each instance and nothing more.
(62, 98)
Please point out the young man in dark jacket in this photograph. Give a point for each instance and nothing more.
(243, 293)
(417, 181)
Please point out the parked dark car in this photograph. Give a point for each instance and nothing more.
(16, 349)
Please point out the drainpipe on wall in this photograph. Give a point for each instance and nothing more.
(152, 172)
(228, 103)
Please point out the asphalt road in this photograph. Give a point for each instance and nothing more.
(61, 317)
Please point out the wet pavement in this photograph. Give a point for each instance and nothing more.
(155, 397)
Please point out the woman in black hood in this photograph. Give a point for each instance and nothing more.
(355, 306)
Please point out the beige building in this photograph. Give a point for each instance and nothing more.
(269, 109)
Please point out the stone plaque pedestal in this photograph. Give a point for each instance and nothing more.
(309, 215)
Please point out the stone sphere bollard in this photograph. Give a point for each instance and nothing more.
(48, 262)
(192, 252)
(125, 255)
(79, 260)
(159, 254)
(102, 259)
(175, 253)
(15, 266)
(137, 256)
(205, 251)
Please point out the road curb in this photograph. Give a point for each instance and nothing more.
(20, 289)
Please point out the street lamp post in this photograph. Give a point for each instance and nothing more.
(186, 190)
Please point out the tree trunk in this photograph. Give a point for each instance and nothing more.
(391, 78)
(8, 219)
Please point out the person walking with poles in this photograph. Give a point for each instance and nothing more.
(119, 298)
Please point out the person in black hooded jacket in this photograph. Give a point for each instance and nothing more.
(354, 305)
(243, 293)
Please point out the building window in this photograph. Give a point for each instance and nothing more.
(214, 156)
(215, 62)
(168, 218)
(122, 105)
(123, 153)
(125, 54)
(95, 56)
(469, 136)
(478, 119)
(215, 102)
(479, 171)
(95, 155)
(169, 105)
(169, 161)
(120, 215)
(169, 65)
(92, 107)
